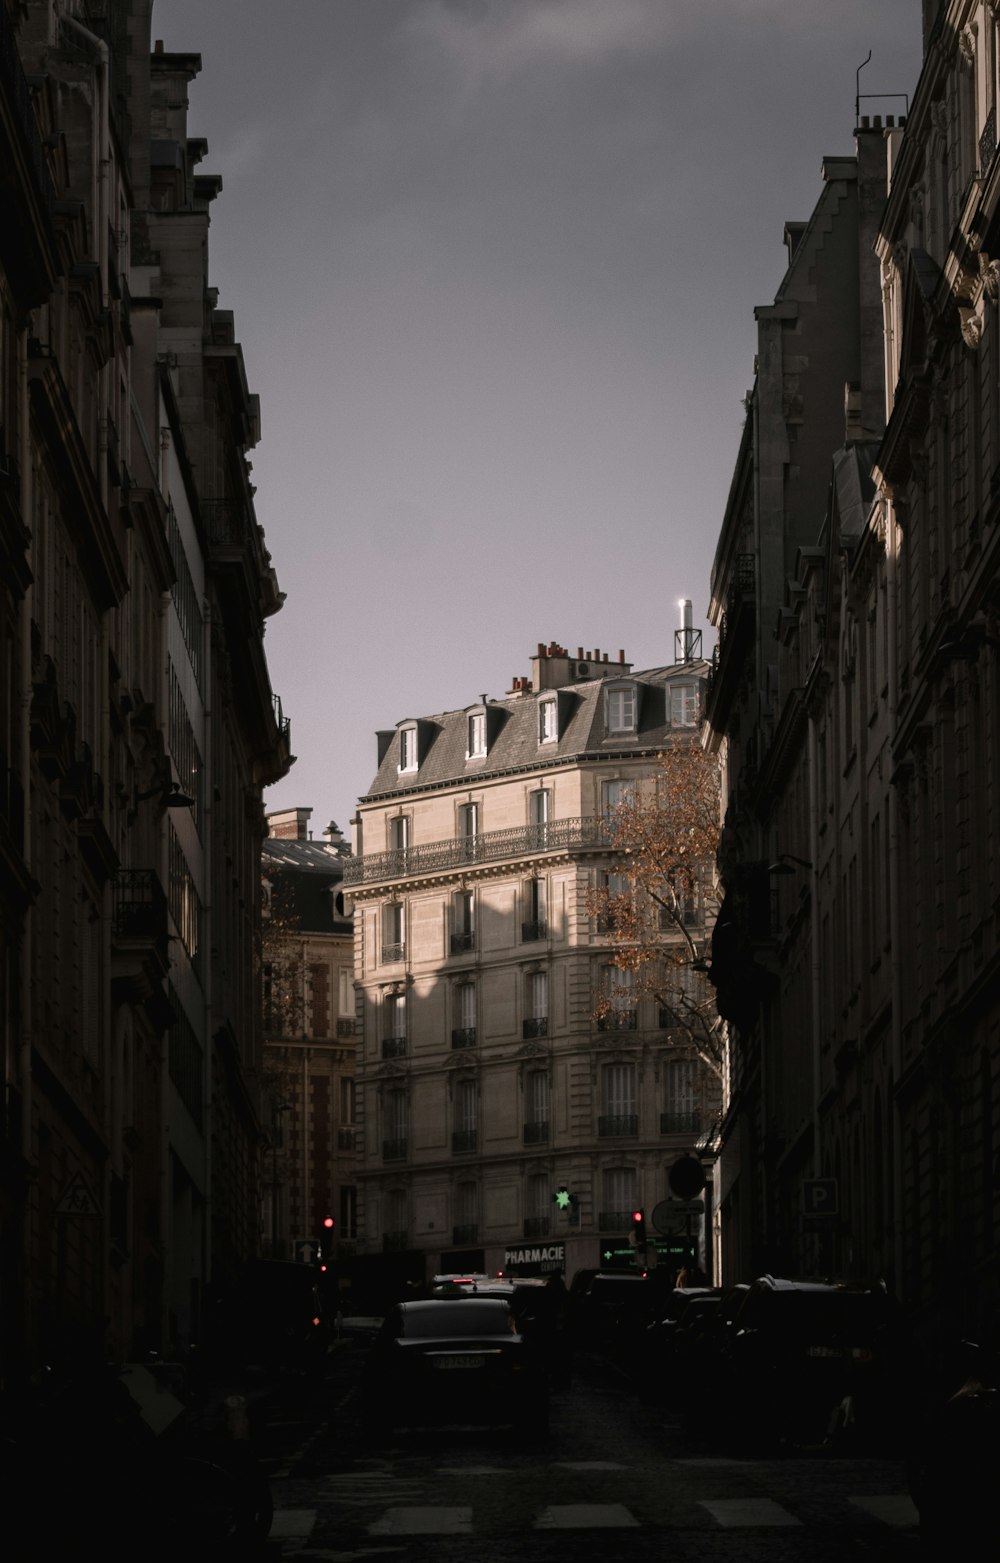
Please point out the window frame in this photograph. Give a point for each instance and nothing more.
(475, 735)
(627, 695)
(408, 756)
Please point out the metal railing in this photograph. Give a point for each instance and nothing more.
(618, 1020)
(345, 1027)
(394, 1150)
(140, 905)
(536, 1226)
(530, 932)
(538, 1027)
(462, 1236)
(488, 847)
(460, 942)
(680, 1123)
(393, 1047)
(623, 1126)
(395, 1242)
(463, 1036)
(537, 1133)
(615, 1220)
(393, 952)
(464, 1140)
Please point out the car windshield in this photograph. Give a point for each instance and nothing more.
(461, 1316)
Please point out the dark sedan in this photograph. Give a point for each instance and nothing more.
(453, 1361)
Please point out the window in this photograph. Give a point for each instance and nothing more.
(684, 705)
(348, 1210)
(395, 1221)
(464, 1136)
(681, 1115)
(399, 833)
(534, 925)
(464, 1032)
(615, 794)
(619, 1198)
(395, 1123)
(468, 828)
(538, 1205)
(619, 1118)
(536, 1107)
(347, 1101)
(621, 709)
(407, 749)
(477, 736)
(394, 1029)
(617, 887)
(537, 1021)
(618, 987)
(466, 1228)
(463, 936)
(547, 724)
(393, 932)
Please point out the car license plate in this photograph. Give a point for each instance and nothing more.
(468, 1360)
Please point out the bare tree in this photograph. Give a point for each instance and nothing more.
(658, 900)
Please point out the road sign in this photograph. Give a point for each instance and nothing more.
(670, 1213)
(820, 1199)
(306, 1251)
(77, 1199)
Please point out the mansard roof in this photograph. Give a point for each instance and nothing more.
(310, 876)
(514, 743)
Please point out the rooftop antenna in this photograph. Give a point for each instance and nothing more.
(687, 641)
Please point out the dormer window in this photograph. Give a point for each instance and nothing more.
(476, 748)
(407, 749)
(621, 709)
(548, 727)
(684, 705)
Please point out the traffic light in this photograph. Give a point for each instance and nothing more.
(328, 1223)
(637, 1236)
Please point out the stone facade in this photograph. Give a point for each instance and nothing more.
(310, 1171)
(135, 583)
(857, 950)
(485, 1082)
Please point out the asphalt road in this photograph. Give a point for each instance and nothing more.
(612, 1474)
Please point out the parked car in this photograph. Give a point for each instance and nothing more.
(611, 1311)
(673, 1339)
(812, 1361)
(453, 1361)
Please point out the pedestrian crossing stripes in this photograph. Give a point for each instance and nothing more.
(426, 1519)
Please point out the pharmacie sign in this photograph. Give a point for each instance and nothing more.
(545, 1256)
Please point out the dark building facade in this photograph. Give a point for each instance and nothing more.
(137, 723)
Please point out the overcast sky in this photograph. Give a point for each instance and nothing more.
(494, 265)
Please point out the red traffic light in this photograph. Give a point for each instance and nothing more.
(637, 1216)
(328, 1222)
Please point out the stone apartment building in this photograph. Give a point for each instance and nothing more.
(310, 1172)
(133, 591)
(861, 853)
(485, 1084)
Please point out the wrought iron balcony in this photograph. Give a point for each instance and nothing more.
(464, 1036)
(621, 1126)
(391, 953)
(537, 1133)
(394, 1150)
(346, 1139)
(530, 932)
(462, 1236)
(140, 906)
(615, 1220)
(492, 846)
(461, 942)
(393, 1047)
(618, 1020)
(538, 1026)
(536, 1226)
(395, 1242)
(988, 142)
(345, 1027)
(680, 1123)
(463, 1141)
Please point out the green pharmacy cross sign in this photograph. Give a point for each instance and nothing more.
(563, 1199)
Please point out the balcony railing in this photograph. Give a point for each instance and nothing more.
(530, 932)
(622, 1126)
(536, 1226)
(345, 1027)
(615, 1220)
(680, 1123)
(537, 1133)
(461, 942)
(393, 952)
(463, 1141)
(618, 1020)
(988, 142)
(394, 1150)
(346, 1139)
(464, 1036)
(463, 1235)
(395, 1242)
(284, 723)
(393, 1047)
(140, 905)
(538, 1026)
(488, 847)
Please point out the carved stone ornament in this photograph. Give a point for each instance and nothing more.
(967, 43)
(972, 326)
(939, 116)
(989, 271)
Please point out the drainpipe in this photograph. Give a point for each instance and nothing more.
(893, 538)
